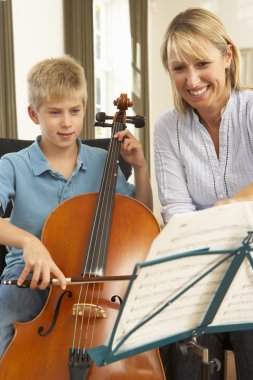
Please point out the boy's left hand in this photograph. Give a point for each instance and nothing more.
(131, 148)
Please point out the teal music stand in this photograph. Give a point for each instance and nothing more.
(185, 295)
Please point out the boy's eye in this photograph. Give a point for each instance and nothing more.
(75, 110)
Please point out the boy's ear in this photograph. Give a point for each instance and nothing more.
(33, 115)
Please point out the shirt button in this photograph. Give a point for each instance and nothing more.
(221, 196)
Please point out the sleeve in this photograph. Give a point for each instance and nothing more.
(169, 169)
(124, 187)
(7, 183)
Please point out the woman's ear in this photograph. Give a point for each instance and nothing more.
(33, 115)
(229, 55)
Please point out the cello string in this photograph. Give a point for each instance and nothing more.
(103, 201)
(111, 199)
(100, 217)
(110, 168)
(86, 271)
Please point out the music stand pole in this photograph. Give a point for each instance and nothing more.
(208, 367)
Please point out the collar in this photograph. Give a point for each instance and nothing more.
(224, 110)
(40, 164)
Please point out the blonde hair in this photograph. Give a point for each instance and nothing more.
(185, 32)
(56, 78)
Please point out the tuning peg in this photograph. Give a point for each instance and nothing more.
(101, 117)
(104, 125)
(138, 121)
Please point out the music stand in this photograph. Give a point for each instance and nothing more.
(184, 295)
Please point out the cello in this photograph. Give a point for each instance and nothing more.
(95, 239)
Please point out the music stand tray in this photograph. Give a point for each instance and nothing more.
(181, 293)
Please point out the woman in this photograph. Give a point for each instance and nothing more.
(204, 149)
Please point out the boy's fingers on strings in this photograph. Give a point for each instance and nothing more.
(122, 135)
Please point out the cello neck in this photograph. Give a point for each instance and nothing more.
(96, 253)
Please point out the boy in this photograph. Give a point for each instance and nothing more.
(54, 168)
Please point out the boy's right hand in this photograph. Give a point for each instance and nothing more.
(39, 261)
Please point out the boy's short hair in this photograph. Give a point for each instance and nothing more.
(56, 78)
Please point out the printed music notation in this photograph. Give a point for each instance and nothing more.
(185, 286)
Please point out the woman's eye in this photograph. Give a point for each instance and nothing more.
(202, 64)
(178, 68)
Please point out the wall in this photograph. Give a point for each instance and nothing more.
(237, 16)
(38, 33)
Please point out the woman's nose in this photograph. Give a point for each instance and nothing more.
(192, 77)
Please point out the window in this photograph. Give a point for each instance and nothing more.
(247, 71)
(112, 56)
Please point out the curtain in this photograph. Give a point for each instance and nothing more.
(8, 117)
(78, 36)
(140, 93)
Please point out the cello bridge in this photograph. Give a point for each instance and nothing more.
(88, 310)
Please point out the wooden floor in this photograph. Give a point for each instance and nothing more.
(230, 366)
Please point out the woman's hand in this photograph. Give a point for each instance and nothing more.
(244, 195)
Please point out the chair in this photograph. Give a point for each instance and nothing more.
(14, 145)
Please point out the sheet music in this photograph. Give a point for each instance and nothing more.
(218, 228)
(238, 302)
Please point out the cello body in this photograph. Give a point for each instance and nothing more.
(38, 352)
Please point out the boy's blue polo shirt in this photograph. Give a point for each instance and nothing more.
(35, 190)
